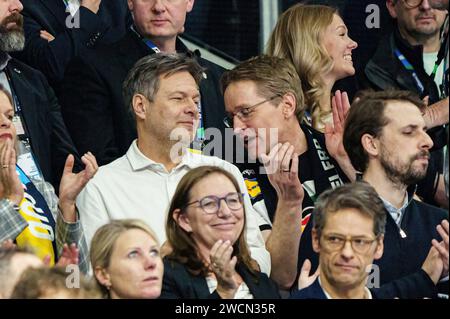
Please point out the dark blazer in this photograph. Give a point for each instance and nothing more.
(92, 101)
(51, 58)
(50, 140)
(179, 283)
(416, 286)
(314, 291)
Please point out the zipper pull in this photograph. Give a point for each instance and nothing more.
(402, 233)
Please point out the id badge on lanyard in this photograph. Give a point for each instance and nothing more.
(25, 158)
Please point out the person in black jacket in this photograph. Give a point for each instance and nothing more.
(348, 232)
(45, 142)
(209, 257)
(92, 100)
(386, 141)
(411, 58)
(56, 32)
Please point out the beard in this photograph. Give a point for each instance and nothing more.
(401, 173)
(13, 38)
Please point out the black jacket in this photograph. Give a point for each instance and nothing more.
(50, 141)
(384, 70)
(51, 58)
(418, 286)
(405, 256)
(92, 100)
(400, 266)
(179, 283)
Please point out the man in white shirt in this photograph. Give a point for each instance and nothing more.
(162, 91)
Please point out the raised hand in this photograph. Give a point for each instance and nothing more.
(72, 184)
(10, 185)
(69, 256)
(224, 268)
(442, 247)
(304, 279)
(282, 170)
(334, 134)
(340, 106)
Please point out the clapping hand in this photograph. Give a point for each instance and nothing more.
(224, 267)
(69, 256)
(10, 185)
(304, 279)
(442, 247)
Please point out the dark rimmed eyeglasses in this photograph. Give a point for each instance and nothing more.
(337, 243)
(211, 204)
(245, 113)
(411, 4)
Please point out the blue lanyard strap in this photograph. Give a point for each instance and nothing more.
(151, 45)
(408, 66)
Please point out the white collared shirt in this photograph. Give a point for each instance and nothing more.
(134, 186)
(367, 290)
(73, 6)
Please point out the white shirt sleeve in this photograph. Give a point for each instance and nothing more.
(92, 209)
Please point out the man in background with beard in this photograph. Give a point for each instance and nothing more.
(44, 140)
(385, 138)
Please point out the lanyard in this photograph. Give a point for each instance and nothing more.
(408, 66)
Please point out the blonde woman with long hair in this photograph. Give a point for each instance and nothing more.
(315, 40)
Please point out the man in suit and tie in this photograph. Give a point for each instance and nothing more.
(58, 30)
(44, 140)
(92, 101)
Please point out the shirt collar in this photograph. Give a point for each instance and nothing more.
(368, 293)
(392, 209)
(139, 161)
(4, 59)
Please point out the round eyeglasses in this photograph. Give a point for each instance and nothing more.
(211, 204)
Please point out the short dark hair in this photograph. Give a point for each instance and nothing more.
(143, 78)
(272, 75)
(366, 116)
(358, 195)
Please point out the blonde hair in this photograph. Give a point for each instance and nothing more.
(297, 37)
(105, 238)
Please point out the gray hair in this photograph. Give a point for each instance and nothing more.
(358, 195)
(144, 77)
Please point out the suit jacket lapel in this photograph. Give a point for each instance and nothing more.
(200, 286)
(22, 88)
(131, 49)
(57, 9)
(250, 282)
